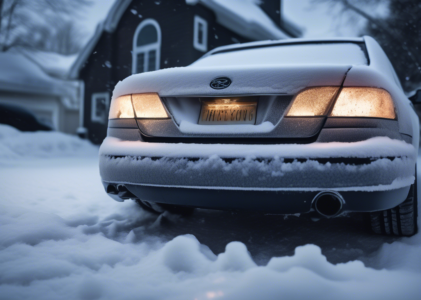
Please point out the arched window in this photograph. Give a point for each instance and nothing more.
(146, 47)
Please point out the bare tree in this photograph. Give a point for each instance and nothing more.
(42, 24)
(398, 32)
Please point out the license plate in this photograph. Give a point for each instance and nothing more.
(228, 113)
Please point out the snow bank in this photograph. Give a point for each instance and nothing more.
(96, 267)
(61, 237)
(15, 144)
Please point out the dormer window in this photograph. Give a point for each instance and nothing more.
(146, 47)
(200, 34)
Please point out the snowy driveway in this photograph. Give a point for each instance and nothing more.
(62, 237)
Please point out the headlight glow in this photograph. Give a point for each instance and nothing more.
(312, 102)
(121, 108)
(351, 102)
(146, 106)
(364, 102)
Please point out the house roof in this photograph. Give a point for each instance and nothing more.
(244, 17)
(20, 74)
(54, 64)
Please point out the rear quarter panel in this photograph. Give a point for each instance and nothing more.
(380, 74)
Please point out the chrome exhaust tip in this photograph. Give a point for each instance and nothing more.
(328, 204)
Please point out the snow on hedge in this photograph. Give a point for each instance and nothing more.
(15, 144)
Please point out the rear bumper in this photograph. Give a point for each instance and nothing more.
(283, 202)
(371, 175)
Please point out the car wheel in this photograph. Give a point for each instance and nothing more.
(159, 208)
(401, 220)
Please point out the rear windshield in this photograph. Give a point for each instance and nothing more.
(290, 54)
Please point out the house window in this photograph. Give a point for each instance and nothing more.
(99, 109)
(200, 34)
(146, 47)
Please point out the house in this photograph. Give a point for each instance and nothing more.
(143, 35)
(53, 101)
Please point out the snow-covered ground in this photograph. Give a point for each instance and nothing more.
(62, 237)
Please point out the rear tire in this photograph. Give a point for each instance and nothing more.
(160, 208)
(401, 220)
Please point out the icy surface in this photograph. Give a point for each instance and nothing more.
(62, 237)
(310, 54)
(374, 147)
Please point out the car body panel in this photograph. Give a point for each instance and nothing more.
(362, 158)
(266, 80)
(380, 74)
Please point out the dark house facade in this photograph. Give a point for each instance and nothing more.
(144, 35)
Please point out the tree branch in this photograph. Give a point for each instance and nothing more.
(9, 24)
(386, 30)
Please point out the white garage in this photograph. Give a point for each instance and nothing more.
(53, 101)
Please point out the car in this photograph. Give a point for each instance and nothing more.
(291, 126)
(21, 118)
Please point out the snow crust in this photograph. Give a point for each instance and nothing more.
(374, 147)
(17, 145)
(131, 162)
(276, 174)
(61, 237)
(310, 54)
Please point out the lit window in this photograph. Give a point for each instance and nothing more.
(99, 108)
(146, 47)
(200, 35)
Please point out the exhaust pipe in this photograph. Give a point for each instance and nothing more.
(119, 192)
(328, 204)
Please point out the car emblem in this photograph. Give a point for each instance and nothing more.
(220, 83)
